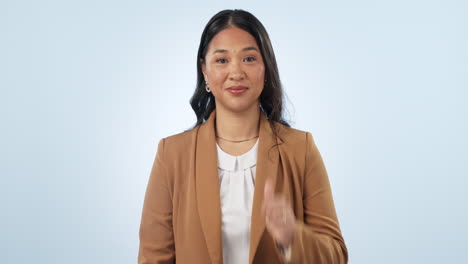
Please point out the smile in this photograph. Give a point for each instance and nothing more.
(237, 89)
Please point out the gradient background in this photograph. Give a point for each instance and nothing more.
(89, 87)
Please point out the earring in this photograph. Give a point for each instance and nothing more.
(207, 88)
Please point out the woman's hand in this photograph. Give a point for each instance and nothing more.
(279, 216)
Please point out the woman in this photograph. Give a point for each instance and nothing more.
(241, 186)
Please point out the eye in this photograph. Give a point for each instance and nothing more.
(221, 61)
(249, 59)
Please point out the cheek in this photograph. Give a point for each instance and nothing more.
(260, 74)
(215, 76)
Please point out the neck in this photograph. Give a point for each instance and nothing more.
(237, 126)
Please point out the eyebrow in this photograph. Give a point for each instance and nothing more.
(244, 49)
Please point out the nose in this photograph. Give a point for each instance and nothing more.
(236, 72)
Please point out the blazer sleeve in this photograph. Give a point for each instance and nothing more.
(156, 233)
(317, 239)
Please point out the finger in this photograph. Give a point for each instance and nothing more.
(274, 229)
(263, 210)
(274, 206)
(268, 193)
(269, 190)
(277, 210)
(273, 214)
(281, 211)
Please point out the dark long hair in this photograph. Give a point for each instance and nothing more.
(271, 98)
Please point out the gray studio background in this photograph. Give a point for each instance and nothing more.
(88, 88)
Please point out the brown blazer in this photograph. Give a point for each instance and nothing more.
(181, 219)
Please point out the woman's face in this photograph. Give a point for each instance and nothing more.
(234, 70)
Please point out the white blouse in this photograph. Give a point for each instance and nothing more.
(236, 183)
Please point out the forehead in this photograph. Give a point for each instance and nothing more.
(232, 39)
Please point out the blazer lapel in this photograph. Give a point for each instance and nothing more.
(267, 167)
(207, 188)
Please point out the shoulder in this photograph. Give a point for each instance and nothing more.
(296, 142)
(292, 137)
(178, 143)
(182, 138)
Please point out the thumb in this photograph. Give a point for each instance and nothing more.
(268, 191)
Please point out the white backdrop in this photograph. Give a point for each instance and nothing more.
(89, 87)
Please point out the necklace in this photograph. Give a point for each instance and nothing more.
(236, 141)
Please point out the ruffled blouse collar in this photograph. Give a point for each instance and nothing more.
(233, 163)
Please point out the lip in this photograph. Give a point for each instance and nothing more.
(237, 89)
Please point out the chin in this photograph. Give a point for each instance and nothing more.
(241, 107)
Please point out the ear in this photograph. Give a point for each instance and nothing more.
(203, 67)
